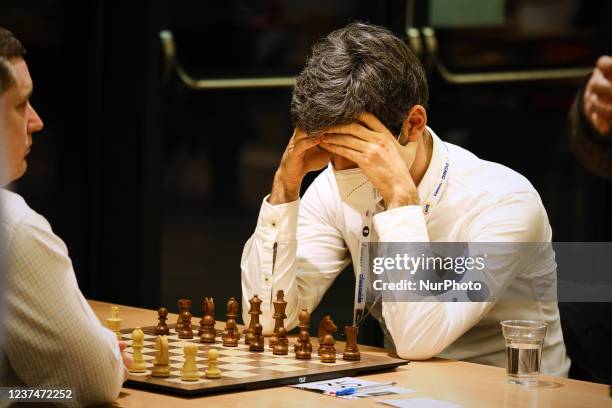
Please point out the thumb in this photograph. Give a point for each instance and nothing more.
(604, 64)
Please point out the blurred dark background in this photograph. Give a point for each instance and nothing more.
(155, 186)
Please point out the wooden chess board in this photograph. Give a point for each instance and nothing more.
(242, 369)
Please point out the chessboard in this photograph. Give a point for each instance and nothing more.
(242, 369)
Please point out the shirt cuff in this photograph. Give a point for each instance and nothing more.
(402, 224)
(278, 222)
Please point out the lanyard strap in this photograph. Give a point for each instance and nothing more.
(433, 199)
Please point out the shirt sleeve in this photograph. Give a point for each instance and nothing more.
(297, 248)
(421, 329)
(53, 337)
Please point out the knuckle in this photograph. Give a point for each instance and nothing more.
(369, 154)
(601, 61)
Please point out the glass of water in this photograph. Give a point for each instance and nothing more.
(524, 340)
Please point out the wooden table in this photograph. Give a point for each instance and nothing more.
(467, 384)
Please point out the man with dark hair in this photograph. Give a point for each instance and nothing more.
(359, 108)
(52, 338)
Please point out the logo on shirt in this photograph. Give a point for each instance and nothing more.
(360, 289)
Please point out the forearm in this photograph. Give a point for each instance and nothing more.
(296, 248)
(269, 263)
(422, 330)
(56, 340)
(284, 190)
(53, 336)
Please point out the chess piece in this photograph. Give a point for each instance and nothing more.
(254, 311)
(162, 327)
(327, 349)
(186, 332)
(212, 371)
(139, 365)
(327, 326)
(351, 350)
(231, 335)
(114, 322)
(184, 306)
(303, 347)
(189, 371)
(207, 324)
(281, 348)
(161, 364)
(279, 316)
(258, 339)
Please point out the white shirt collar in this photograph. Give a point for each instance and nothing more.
(435, 174)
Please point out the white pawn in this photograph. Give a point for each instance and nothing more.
(114, 322)
(139, 365)
(189, 372)
(213, 371)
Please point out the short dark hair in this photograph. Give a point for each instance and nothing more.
(10, 47)
(356, 69)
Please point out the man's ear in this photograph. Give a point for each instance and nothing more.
(414, 124)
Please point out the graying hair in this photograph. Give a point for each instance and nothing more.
(356, 69)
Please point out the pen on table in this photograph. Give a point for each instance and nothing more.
(352, 390)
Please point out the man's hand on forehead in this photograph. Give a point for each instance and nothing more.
(358, 140)
(366, 127)
(383, 160)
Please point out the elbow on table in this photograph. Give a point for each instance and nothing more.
(416, 352)
(102, 381)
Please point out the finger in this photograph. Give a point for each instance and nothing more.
(602, 126)
(604, 63)
(347, 141)
(301, 146)
(603, 109)
(128, 359)
(354, 129)
(122, 345)
(601, 87)
(373, 123)
(299, 134)
(343, 151)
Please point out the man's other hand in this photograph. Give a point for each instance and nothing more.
(127, 359)
(301, 156)
(597, 101)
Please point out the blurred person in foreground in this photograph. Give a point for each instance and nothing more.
(52, 336)
(587, 326)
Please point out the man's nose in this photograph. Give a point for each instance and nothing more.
(35, 123)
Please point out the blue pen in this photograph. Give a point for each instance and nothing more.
(352, 390)
(345, 391)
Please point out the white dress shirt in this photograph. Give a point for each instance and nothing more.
(302, 246)
(52, 338)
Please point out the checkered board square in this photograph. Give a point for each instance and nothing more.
(242, 369)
